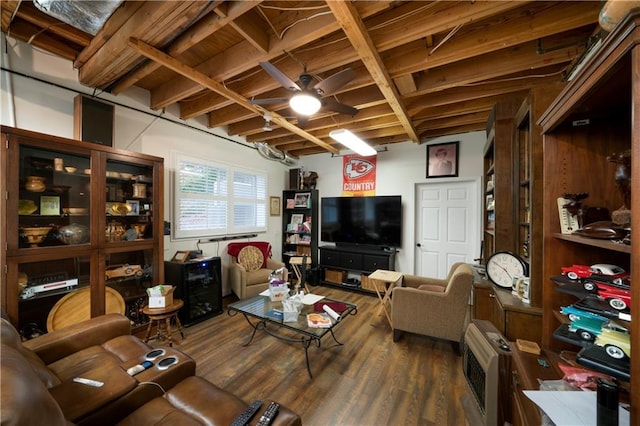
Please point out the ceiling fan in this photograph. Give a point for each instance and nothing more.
(306, 100)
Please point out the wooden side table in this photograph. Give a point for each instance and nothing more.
(384, 281)
(166, 314)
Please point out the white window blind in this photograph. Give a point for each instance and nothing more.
(213, 199)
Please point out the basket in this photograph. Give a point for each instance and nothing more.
(334, 276)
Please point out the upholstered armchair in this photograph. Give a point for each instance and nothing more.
(433, 307)
(251, 265)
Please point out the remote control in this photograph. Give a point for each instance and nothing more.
(246, 415)
(269, 414)
(89, 382)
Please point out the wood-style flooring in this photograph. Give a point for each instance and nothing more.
(370, 380)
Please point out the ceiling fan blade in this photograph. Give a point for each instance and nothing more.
(279, 76)
(269, 101)
(330, 104)
(335, 82)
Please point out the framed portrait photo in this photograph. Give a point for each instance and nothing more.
(180, 256)
(443, 160)
(302, 199)
(274, 206)
(134, 207)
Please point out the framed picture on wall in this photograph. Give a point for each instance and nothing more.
(274, 206)
(442, 160)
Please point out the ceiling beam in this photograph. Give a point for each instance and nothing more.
(355, 30)
(202, 29)
(205, 81)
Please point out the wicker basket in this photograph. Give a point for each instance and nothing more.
(334, 276)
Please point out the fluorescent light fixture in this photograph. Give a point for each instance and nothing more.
(304, 104)
(352, 142)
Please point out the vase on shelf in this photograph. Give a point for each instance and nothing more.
(35, 184)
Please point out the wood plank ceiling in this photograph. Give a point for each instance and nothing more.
(422, 68)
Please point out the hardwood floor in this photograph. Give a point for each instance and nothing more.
(370, 380)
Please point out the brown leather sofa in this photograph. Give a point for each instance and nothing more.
(37, 384)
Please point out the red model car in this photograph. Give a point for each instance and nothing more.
(577, 271)
(618, 298)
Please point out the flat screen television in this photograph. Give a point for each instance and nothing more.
(372, 221)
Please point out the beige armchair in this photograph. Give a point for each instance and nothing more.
(433, 307)
(251, 265)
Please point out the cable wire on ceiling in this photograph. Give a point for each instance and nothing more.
(170, 120)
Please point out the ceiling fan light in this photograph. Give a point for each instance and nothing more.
(304, 104)
(351, 141)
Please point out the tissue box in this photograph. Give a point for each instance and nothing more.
(277, 293)
(290, 316)
(161, 296)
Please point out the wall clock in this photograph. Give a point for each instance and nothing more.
(502, 266)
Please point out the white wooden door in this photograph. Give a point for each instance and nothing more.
(447, 225)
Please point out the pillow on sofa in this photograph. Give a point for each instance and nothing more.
(251, 258)
(265, 247)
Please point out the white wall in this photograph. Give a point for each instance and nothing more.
(39, 94)
(399, 170)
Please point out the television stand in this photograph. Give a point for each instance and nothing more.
(349, 266)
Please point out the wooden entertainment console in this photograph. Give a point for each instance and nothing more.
(354, 260)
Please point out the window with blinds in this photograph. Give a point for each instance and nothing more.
(213, 199)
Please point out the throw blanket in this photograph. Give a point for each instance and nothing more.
(264, 246)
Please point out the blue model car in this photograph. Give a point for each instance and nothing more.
(585, 325)
(574, 314)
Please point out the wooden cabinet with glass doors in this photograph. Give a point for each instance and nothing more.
(79, 217)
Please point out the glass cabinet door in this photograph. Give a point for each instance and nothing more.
(41, 286)
(54, 198)
(130, 273)
(128, 202)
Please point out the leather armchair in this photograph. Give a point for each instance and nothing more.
(433, 307)
(247, 281)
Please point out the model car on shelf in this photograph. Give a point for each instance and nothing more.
(586, 328)
(617, 298)
(616, 343)
(575, 314)
(576, 272)
(123, 271)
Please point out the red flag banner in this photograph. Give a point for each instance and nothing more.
(358, 175)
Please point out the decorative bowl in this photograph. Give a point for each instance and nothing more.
(74, 233)
(35, 184)
(26, 207)
(75, 210)
(126, 175)
(119, 209)
(70, 169)
(35, 235)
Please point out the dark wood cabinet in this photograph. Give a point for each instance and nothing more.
(512, 317)
(100, 214)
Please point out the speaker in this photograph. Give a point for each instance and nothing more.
(93, 120)
(294, 179)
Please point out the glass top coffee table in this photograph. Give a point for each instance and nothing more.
(261, 314)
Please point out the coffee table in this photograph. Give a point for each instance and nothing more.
(257, 311)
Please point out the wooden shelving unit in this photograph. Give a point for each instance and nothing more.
(596, 115)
